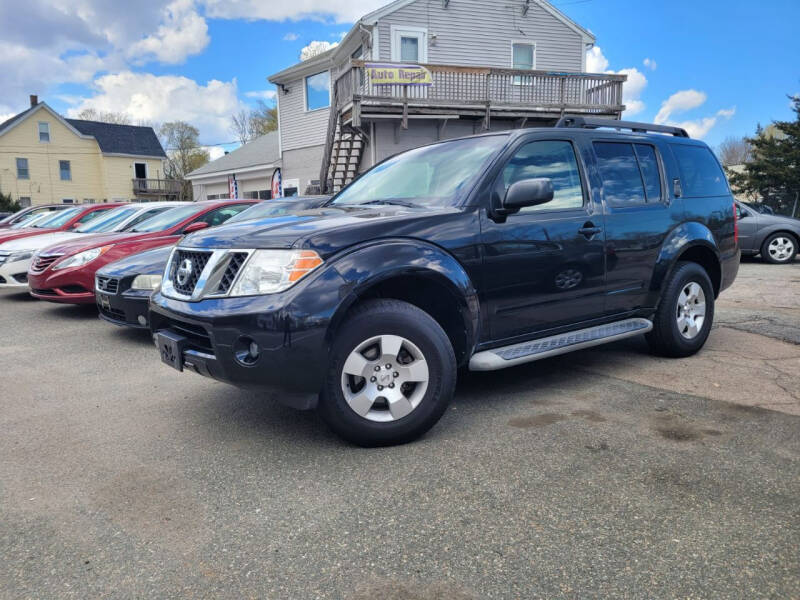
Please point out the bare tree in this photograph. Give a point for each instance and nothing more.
(263, 119)
(315, 48)
(735, 151)
(241, 126)
(184, 153)
(117, 118)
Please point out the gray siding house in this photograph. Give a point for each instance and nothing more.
(493, 65)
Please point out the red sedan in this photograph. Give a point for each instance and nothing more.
(65, 272)
(62, 220)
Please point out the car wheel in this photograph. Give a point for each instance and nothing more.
(392, 374)
(779, 249)
(685, 314)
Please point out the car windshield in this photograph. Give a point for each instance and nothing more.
(29, 220)
(167, 219)
(58, 219)
(109, 221)
(437, 175)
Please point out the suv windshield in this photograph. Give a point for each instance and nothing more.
(167, 219)
(109, 221)
(58, 219)
(437, 175)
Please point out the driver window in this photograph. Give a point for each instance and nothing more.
(552, 159)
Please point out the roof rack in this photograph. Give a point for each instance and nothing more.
(597, 122)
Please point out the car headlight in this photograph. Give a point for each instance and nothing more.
(146, 282)
(21, 255)
(272, 271)
(80, 259)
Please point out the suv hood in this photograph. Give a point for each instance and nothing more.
(326, 229)
(150, 262)
(37, 242)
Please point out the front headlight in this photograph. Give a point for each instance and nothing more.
(21, 255)
(146, 282)
(80, 259)
(272, 271)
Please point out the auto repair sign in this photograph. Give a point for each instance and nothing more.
(398, 74)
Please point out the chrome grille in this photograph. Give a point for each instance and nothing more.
(43, 261)
(231, 271)
(108, 285)
(197, 261)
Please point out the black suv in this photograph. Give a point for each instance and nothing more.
(487, 252)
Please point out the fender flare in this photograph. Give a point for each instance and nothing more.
(369, 264)
(681, 239)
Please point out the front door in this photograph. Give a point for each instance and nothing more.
(544, 266)
(748, 227)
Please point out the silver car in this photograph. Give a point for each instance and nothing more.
(774, 237)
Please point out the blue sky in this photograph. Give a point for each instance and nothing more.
(718, 67)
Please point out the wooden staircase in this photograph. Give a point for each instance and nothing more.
(343, 151)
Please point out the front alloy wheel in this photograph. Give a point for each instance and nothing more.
(385, 378)
(779, 249)
(391, 375)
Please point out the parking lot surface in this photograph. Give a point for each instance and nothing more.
(605, 473)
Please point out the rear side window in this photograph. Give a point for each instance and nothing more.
(630, 173)
(701, 174)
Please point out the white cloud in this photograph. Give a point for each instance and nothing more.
(595, 61)
(319, 10)
(182, 33)
(261, 94)
(686, 100)
(632, 89)
(290, 37)
(650, 64)
(152, 98)
(214, 152)
(316, 47)
(680, 102)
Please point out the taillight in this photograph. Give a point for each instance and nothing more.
(735, 225)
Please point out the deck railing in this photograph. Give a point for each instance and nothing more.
(165, 187)
(455, 86)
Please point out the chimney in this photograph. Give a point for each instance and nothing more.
(34, 100)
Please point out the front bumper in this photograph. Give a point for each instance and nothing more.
(128, 308)
(14, 275)
(70, 286)
(289, 328)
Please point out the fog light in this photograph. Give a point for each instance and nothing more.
(246, 351)
(142, 320)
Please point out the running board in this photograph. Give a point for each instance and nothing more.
(516, 354)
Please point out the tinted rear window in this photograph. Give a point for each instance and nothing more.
(701, 174)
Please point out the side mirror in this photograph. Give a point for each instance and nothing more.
(76, 225)
(528, 192)
(192, 227)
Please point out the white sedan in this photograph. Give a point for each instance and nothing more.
(16, 255)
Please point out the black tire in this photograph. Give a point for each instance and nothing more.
(389, 318)
(768, 257)
(666, 339)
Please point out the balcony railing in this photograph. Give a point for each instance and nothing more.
(158, 187)
(471, 87)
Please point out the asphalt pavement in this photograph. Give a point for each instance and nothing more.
(605, 473)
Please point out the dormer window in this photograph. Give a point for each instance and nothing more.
(44, 131)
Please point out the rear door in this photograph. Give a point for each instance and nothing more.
(544, 266)
(639, 214)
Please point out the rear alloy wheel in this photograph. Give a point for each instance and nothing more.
(779, 249)
(685, 313)
(392, 374)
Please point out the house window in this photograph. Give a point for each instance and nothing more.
(523, 57)
(140, 170)
(44, 131)
(24, 201)
(65, 170)
(68, 200)
(409, 45)
(22, 169)
(318, 94)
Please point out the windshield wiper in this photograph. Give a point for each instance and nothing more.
(390, 203)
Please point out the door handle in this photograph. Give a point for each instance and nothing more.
(589, 230)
